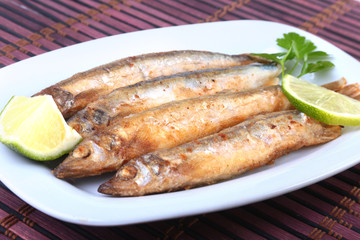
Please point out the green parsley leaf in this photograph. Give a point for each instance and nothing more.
(276, 57)
(317, 54)
(302, 51)
(314, 67)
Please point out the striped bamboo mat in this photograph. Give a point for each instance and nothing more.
(329, 209)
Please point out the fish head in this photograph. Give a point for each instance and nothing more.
(87, 159)
(140, 176)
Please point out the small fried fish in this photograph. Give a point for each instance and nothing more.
(165, 126)
(147, 94)
(74, 93)
(221, 156)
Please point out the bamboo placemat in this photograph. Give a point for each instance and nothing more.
(329, 209)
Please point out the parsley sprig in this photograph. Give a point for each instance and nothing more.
(302, 51)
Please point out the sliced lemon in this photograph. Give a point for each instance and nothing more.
(320, 103)
(35, 127)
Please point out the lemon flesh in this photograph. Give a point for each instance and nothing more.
(320, 103)
(35, 127)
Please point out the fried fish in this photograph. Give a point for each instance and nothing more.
(221, 156)
(147, 94)
(165, 126)
(74, 93)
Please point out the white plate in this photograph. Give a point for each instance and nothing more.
(78, 202)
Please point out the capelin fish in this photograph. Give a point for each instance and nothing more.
(165, 126)
(74, 93)
(221, 156)
(168, 125)
(147, 94)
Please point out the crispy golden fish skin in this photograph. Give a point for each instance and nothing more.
(165, 126)
(147, 94)
(221, 156)
(74, 93)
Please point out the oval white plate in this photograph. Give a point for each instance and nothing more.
(78, 201)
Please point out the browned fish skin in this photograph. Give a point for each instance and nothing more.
(248, 145)
(147, 94)
(167, 126)
(74, 93)
(336, 86)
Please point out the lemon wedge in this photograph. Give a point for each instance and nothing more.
(320, 103)
(35, 128)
